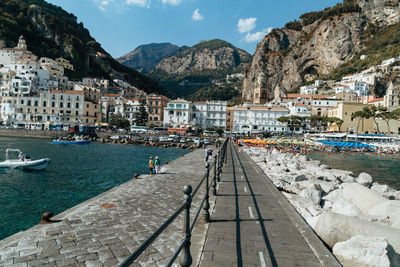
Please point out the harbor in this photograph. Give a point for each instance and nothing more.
(76, 173)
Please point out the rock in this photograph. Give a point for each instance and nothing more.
(300, 178)
(304, 206)
(345, 208)
(361, 196)
(364, 179)
(332, 228)
(333, 196)
(390, 209)
(366, 251)
(380, 188)
(327, 187)
(312, 194)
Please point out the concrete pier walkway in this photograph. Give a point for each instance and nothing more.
(254, 225)
(106, 229)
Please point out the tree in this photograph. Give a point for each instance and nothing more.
(198, 131)
(116, 120)
(141, 116)
(360, 115)
(337, 121)
(219, 131)
(292, 121)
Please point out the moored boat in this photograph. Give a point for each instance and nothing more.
(72, 142)
(24, 162)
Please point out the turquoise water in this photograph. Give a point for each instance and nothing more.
(75, 174)
(384, 169)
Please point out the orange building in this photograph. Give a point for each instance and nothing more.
(156, 104)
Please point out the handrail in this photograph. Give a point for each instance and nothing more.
(188, 227)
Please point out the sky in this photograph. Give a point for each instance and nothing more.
(122, 25)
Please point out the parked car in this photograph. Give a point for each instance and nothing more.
(183, 140)
(153, 138)
(115, 137)
(177, 139)
(207, 141)
(171, 138)
(163, 139)
(196, 141)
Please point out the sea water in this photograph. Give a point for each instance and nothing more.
(76, 173)
(384, 169)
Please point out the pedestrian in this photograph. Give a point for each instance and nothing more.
(208, 154)
(151, 165)
(157, 162)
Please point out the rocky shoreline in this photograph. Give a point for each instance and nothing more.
(357, 218)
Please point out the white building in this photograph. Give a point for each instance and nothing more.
(368, 78)
(256, 119)
(308, 90)
(297, 109)
(178, 112)
(209, 113)
(361, 89)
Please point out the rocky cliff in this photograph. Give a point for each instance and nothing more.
(146, 57)
(52, 32)
(316, 44)
(207, 55)
(199, 68)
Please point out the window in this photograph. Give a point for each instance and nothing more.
(53, 104)
(61, 104)
(76, 113)
(29, 102)
(36, 103)
(68, 105)
(44, 103)
(76, 105)
(22, 101)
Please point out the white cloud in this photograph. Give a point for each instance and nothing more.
(142, 3)
(171, 2)
(196, 15)
(257, 36)
(246, 25)
(103, 5)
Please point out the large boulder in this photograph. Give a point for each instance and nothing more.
(345, 208)
(364, 179)
(366, 251)
(361, 196)
(312, 194)
(333, 228)
(380, 188)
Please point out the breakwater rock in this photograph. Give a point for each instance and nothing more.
(341, 208)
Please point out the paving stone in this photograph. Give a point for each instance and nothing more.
(113, 234)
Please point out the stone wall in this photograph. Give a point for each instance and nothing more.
(31, 133)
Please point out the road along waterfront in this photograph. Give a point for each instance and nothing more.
(75, 174)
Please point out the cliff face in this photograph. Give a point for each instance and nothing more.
(315, 45)
(207, 55)
(145, 57)
(199, 68)
(52, 32)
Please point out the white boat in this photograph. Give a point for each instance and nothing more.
(23, 163)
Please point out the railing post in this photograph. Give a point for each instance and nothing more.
(217, 166)
(215, 176)
(186, 259)
(206, 206)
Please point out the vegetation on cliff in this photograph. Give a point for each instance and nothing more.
(52, 32)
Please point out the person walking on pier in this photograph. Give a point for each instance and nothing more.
(151, 165)
(158, 165)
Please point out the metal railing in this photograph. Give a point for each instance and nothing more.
(186, 259)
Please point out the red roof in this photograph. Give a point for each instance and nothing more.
(113, 95)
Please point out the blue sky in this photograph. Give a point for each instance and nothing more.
(122, 25)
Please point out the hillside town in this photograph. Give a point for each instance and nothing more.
(36, 94)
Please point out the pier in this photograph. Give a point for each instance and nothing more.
(251, 223)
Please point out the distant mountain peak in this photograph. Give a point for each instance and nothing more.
(145, 57)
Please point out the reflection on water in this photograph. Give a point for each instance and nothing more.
(76, 173)
(384, 169)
